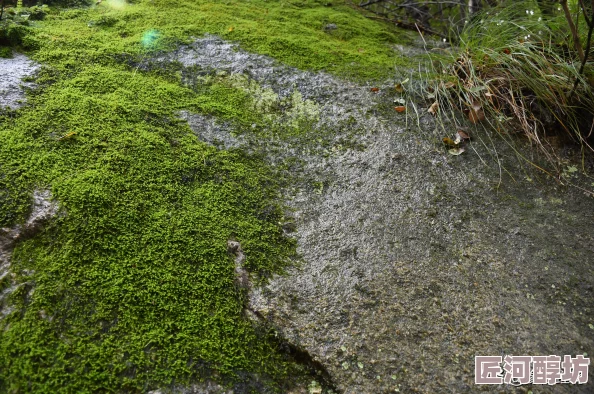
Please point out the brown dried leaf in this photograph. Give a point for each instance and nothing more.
(399, 88)
(463, 135)
(449, 85)
(476, 116)
(434, 108)
(400, 108)
(375, 89)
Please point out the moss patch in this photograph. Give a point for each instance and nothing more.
(132, 287)
(292, 32)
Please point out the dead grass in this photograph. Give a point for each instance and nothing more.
(515, 71)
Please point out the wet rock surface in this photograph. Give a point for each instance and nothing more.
(413, 261)
(12, 72)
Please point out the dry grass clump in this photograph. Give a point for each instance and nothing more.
(518, 70)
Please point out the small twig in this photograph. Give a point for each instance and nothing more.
(584, 11)
(370, 2)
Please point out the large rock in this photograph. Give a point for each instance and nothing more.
(413, 261)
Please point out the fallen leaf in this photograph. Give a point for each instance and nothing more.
(399, 88)
(506, 51)
(463, 135)
(475, 116)
(449, 85)
(400, 108)
(434, 108)
(449, 142)
(375, 89)
(458, 139)
(456, 151)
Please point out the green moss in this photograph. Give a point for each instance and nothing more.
(292, 32)
(131, 287)
(5, 52)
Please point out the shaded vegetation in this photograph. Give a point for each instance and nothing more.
(519, 69)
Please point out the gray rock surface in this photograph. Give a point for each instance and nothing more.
(414, 261)
(12, 71)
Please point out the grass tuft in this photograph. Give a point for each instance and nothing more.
(514, 70)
